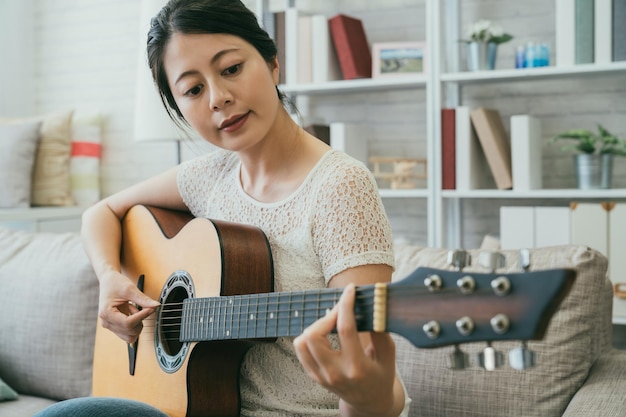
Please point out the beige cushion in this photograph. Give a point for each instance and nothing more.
(18, 145)
(51, 177)
(48, 309)
(51, 173)
(578, 333)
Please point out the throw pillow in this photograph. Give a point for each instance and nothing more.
(18, 144)
(6, 392)
(85, 159)
(48, 314)
(51, 177)
(577, 334)
(51, 173)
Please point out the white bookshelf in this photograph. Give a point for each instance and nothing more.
(443, 82)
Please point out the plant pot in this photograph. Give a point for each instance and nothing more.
(481, 56)
(594, 171)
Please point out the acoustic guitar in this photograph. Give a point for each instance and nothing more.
(214, 281)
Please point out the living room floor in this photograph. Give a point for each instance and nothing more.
(619, 336)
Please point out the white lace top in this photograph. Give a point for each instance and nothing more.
(335, 220)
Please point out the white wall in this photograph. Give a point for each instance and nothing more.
(17, 57)
(85, 55)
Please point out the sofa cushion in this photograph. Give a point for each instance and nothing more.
(18, 146)
(48, 310)
(577, 334)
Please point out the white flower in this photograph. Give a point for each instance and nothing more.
(496, 31)
(486, 31)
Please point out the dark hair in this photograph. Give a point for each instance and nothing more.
(198, 17)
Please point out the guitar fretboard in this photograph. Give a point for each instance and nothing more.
(265, 315)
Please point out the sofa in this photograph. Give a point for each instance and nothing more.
(48, 312)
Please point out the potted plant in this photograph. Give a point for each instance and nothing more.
(482, 44)
(595, 153)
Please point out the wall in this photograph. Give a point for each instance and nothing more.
(17, 57)
(85, 55)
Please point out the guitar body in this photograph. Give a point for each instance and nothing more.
(216, 259)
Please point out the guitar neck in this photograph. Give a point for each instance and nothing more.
(261, 316)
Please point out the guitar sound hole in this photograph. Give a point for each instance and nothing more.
(170, 351)
(171, 319)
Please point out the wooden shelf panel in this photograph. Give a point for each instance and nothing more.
(357, 86)
(573, 194)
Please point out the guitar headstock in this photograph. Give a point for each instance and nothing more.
(435, 307)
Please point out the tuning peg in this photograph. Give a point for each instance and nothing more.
(459, 259)
(490, 359)
(458, 359)
(524, 259)
(491, 260)
(522, 358)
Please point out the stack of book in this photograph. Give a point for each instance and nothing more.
(478, 152)
(323, 49)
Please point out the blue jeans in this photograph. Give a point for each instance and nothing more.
(100, 407)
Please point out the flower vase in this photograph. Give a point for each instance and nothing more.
(481, 56)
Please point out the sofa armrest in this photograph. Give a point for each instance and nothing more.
(604, 391)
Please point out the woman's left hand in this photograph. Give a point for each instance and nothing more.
(361, 372)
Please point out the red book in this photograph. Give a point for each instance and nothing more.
(353, 51)
(448, 149)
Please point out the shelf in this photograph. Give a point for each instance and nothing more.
(357, 86)
(405, 193)
(571, 194)
(36, 213)
(532, 74)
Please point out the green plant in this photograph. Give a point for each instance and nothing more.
(585, 141)
(487, 32)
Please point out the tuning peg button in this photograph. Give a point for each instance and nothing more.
(524, 259)
(522, 358)
(490, 359)
(459, 258)
(491, 260)
(458, 359)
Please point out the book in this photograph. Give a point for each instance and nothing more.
(517, 227)
(350, 139)
(472, 172)
(448, 153)
(552, 226)
(325, 66)
(603, 31)
(589, 225)
(353, 51)
(495, 144)
(526, 152)
(565, 33)
(279, 38)
(291, 45)
(584, 31)
(619, 30)
(305, 44)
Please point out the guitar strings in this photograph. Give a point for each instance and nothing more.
(281, 325)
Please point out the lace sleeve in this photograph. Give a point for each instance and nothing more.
(351, 227)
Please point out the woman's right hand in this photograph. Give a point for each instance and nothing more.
(122, 306)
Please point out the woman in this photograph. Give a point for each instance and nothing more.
(217, 71)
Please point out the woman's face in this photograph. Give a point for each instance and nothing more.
(223, 87)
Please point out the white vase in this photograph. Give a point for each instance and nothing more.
(481, 56)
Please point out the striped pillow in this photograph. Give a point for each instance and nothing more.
(85, 159)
